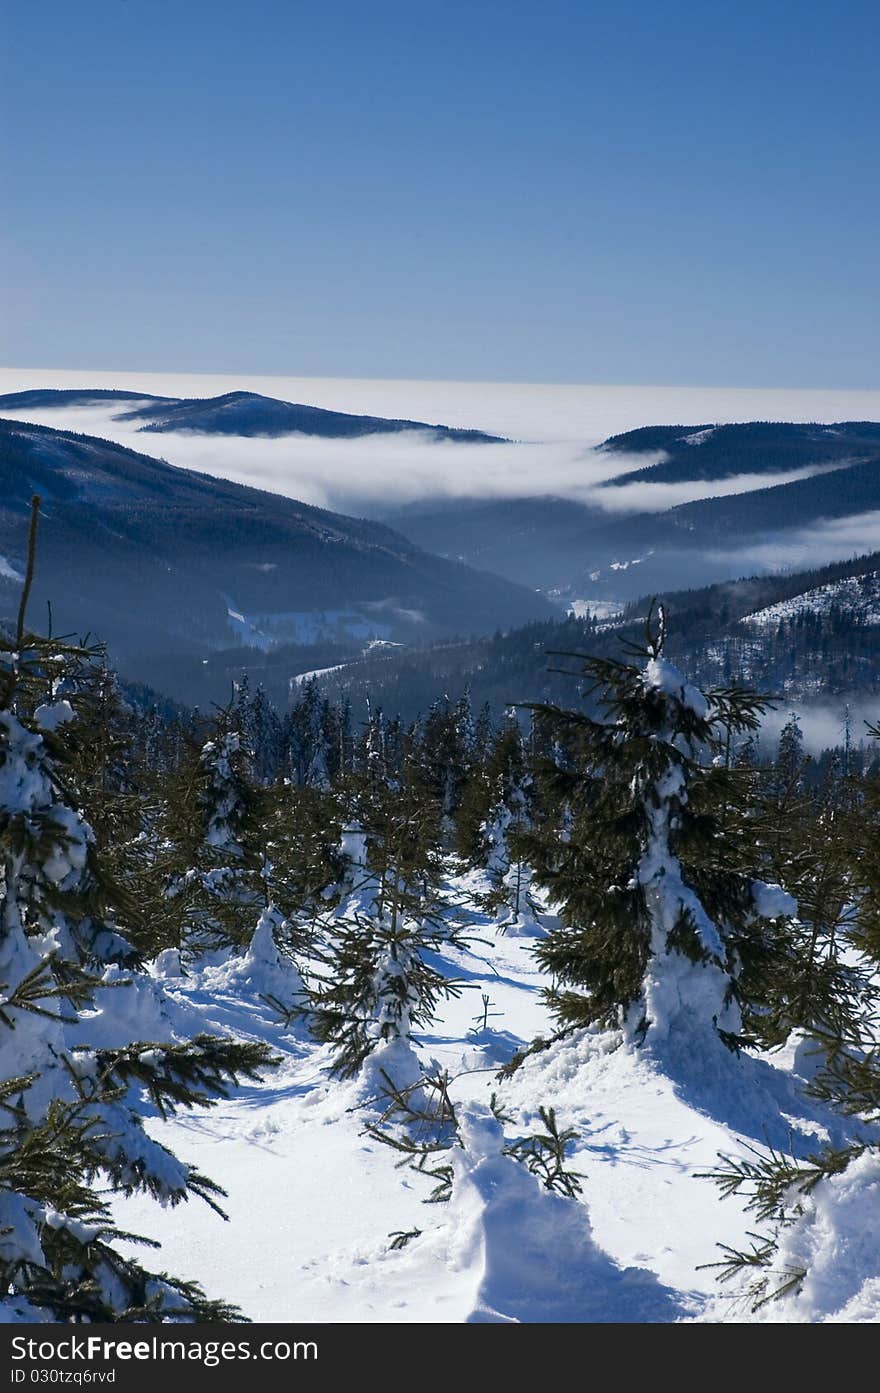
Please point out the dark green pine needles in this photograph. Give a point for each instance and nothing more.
(664, 921)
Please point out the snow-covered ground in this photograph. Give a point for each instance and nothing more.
(859, 594)
(313, 1202)
(265, 631)
(595, 609)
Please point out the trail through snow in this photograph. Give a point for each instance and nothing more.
(312, 1201)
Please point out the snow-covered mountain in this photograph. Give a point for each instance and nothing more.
(233, 413)
(856, 597)
(809, 634)
(153, 558)
(777, 483)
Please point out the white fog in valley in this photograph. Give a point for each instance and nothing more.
(552, 430)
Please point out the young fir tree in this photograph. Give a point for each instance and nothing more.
(210, 857)
(106, 773)
(664, 925)
(803, 839)
(380, 984)
(72, 1087)
(809, 1206)
(441, 758)
(495, 812)
(304, 863)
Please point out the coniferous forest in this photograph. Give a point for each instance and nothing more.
(200, 907)
(439, 683)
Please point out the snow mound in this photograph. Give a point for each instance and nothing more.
(262, 971)
(533, 1250)
(51, 715)
(837, 1244)
(393, 1061)
(668, 679)
(523, 925)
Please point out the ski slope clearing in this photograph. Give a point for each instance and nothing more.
(314, 1203)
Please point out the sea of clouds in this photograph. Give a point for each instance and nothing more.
(553, 432)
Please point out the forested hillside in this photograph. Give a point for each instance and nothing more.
(815, 633)
(165, 561)
(285, 911)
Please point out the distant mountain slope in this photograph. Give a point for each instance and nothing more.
(541, 541)
(48, 398)
(247, 413)
(155, 558)
(837, 493)
(757, 447)
(587, 551)
(780, 634)
(237, 413)
(857, 596)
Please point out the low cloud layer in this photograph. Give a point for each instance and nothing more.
(521, 411)
(823, 723)
(554, 430)
(642, 497)
(834, 539)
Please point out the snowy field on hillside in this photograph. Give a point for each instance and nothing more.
(313, 1202)
(859, 594)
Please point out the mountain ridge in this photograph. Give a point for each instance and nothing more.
(241, 413)
(802, 636)
(584, 550)
(153, 557)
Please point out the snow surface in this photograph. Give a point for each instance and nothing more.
(53, 714)
(266, 631)
(313, 1201)
(300, 679)
(855, 593)
(594, 609)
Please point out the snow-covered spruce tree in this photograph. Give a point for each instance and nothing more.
(862, 822)
(72, 1085)
(210, 858)
(817, 1256)
(665, 927)
(441, 758)
(228, 796)
(309, 738)
(495, 812)
(304, 862)
(70, 697)
(500, 778)
(262, 731)
(803, 839)
(380, 985)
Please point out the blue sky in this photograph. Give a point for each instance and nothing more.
(568, 192)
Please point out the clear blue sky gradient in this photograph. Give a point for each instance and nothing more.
(561, 191)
